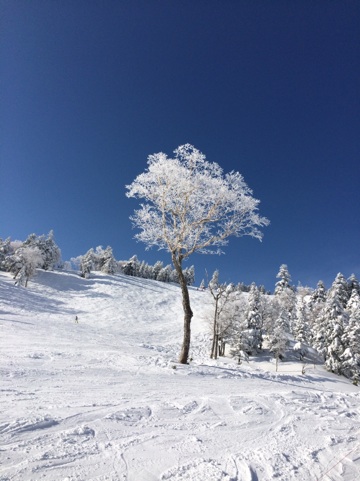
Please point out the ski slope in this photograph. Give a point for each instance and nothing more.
(105, 399)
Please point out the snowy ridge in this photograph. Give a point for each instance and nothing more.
(104, 399)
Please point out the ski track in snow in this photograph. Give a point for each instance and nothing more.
(105, 399)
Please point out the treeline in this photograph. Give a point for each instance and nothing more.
(326, 320)
(103, 260)
(22, 258)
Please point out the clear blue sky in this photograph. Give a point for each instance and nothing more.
(270, 89)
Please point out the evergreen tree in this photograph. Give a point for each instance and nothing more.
(285, 300)
(109, 265)
(319, 294)
(131, 267)
(353, 283)
(87, 263)
(143, 270)
(330, 325)
(254, 321)
(316, 305)
(336, 347)
(5, 251)
(189, 274)
(284, 283)
(277, 343)
(301, 329)
(341, 286)
(157, 268)
(165, 274)
(351, 356)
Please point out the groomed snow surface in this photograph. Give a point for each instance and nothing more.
(105, 399)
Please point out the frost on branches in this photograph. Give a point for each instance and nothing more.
(190, 205)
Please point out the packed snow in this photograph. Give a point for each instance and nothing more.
(104, 398)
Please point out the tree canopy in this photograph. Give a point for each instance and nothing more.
(191, 206)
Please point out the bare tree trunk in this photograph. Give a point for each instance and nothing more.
(215, 344)
(222, 347)
(188, 314)
(213, 354)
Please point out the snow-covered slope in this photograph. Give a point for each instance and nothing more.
(104, 398)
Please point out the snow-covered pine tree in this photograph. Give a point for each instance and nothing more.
(6, 250)
(319, 294)
(285, 279)
(277, 343)
(353, 283)
(109, 264)
(315, 306)
(143, 270)
(165, 274)
(301, 330)
(351, 339)
(279, 327)
(341, 286)
(189, 274)
(254, 318)
(157, 268)
(329, 327)
(131, 267)
(87, 263)
(336, 347)
(285, 299)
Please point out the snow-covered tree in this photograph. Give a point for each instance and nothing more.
(329, 327)
(5, 251)
(284, 283)
(353, 283)
(353, 305)
(108, 262)
(278, 327)
(336, 347)
(189, 274)
(131, 267)
(285, 300)
(157, 268)
(49, 250)
(191, 206)
(340, 285)
(319, 294)
(241, 336)
(224, 311)
(277, 343)
(315, 306)
(301, 330)
(351, 338)
(27, 260)
(253, 333)
(165, 274)
(87, 263)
